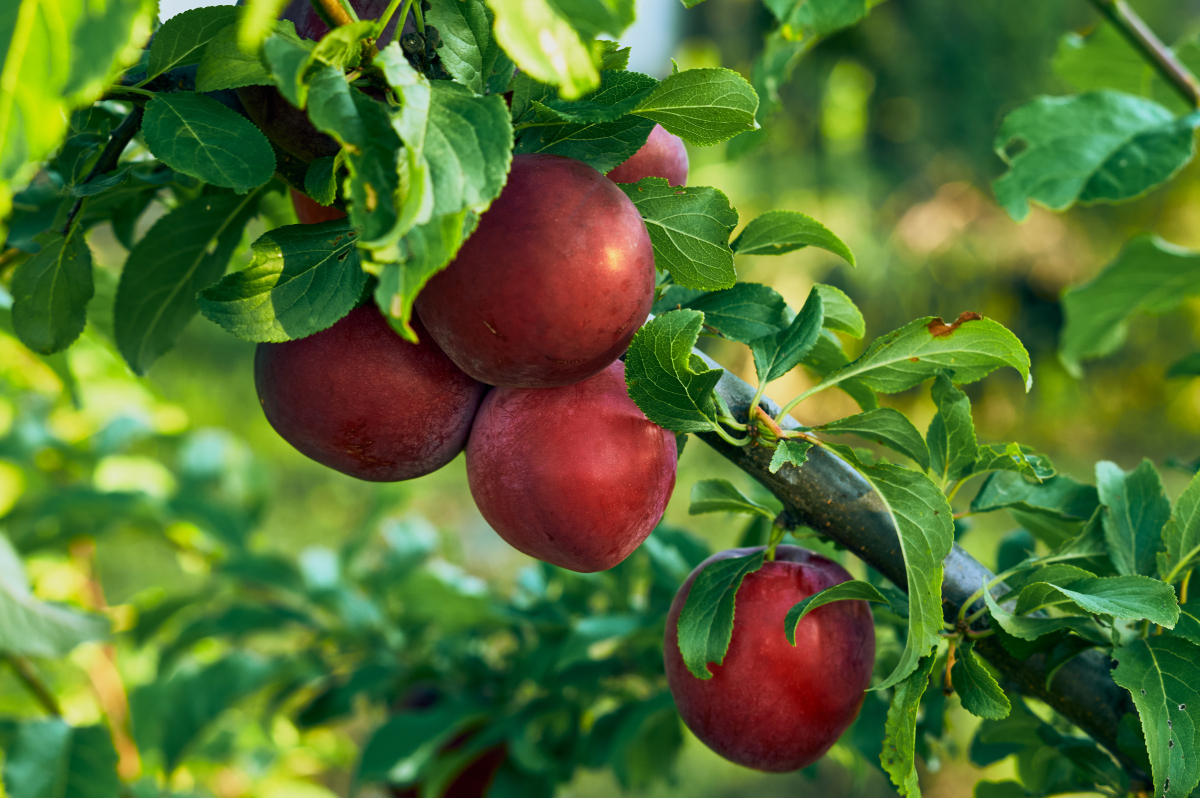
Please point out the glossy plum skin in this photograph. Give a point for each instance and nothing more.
(575, 476)
(310, 212)
(360, 399)
(551, 286)
(772, 706)
(663, 155)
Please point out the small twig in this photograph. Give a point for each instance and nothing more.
(109, 157)
(1163, 58)
(28, 675)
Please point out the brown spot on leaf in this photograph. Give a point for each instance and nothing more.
(915, 359)
(938, 328)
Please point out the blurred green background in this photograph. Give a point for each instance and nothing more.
(885, 135)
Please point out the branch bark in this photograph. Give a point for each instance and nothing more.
(1163, 58)
(829, 496)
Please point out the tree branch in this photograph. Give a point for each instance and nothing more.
(829, 496)
(109, 157)
(30, 678)
(1133, 28)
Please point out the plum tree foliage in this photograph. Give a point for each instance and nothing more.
(447, 160)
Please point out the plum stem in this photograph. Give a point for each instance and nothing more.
(777, 533)
(420, 18)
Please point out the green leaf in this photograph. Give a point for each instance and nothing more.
(54, 57)
(172, 713)
(817, 17)
(841, 314)
(707, 618)
(468, 51)
(887, 427)
(1137, 510)
(900, 731)
(777, 232)
(1130, 597)
(1028, 628)
(1101, 146)
(304, 277)
(401, 748)
(1059, 497)
(1149, 275)
(1182, 535)
(720, 496)
(604, 137)
(703, 106)
(33, 628)
(1012, 457)
(746, 312)
(320, 181)
(1162, 676)
(789, 451)
(1188, 625)
(182, 39)
(185, 251)
(49, 759)
(51, 291)
(259, 21)
(778, 353)
(425, 251)
(853, 590)
(975, 685)
(362, 126)
(689, 228)
(972, 347)
(827, 357)
(1186, 366)
(925, 523)
(1104, 59)
(226, 65)
(288, 59)
(951, 435)
(200, 137)
(544, 45)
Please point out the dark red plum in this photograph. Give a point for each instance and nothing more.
(575, 476)
(773, 706)
(308, 211)
(552, 285)
(360, 399)
(663, 155)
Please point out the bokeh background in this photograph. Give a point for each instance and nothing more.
(885, 135)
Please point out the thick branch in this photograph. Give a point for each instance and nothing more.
(1133, 28)
(829, 496)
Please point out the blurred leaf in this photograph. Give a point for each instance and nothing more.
(787, 451)
(778, 353)
(226, 65)
(1137, 510)
(49, 759)
(670, 385)
(321, 178)
(640, 741)
(182, 39)
(545, 45)
(702, 106)
(232, 623)
(1187, 366)
(51, 291)
(707, 618)
(186, 250)
(198, 136)
(399, 749)
(777, 232)
(720, 496)
(468, 51)
(1012, 457)
(817, 17)
(303, 279)
(591, 630)
(1149, 275)
(853, 590)
(1102, 146)
(972, 346)
(975, 685)
(1162, 676)
(899, 756)
(170, 714)
(601, 143)
(258, 22)
(1181, 535)
(30, 627)
(689, 228)
(887, 427)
